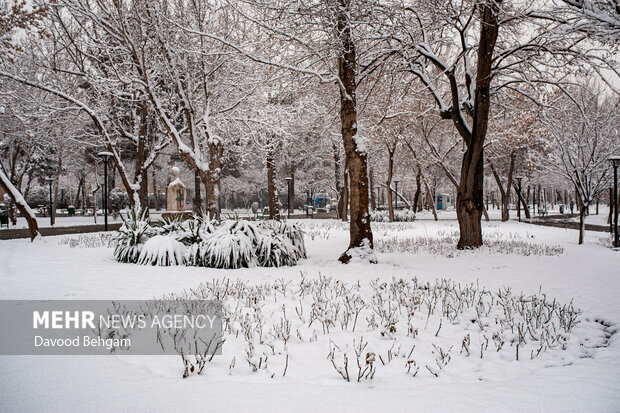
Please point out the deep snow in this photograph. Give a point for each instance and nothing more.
(588, 274)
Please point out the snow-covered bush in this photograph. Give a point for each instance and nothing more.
(276, 250)
(131, 236)
(169, 226)
(117, 200)
(401, 215)
(291, 231)
(227, 249)
(162, 250)
(248, 228)
(202, 242)
(195, 230)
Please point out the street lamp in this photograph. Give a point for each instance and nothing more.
(288, 207)
(615, 162)
(396, 182)
(49, 181)
(518, 178)
(105, 156)
(611, 210)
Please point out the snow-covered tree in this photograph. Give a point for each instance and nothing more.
(583, 133)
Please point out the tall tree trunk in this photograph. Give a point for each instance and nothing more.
(197, 195)
(430, 198)
(359, 224)
(344, 212)
(338, 182)
(213, 179)
(55, 188)
(526, 208)
(144, 191)
(505, 194)
(469, 200)
(418, 188)
(155, 194)
(390, 170)
(373, 201)
(274, 210)
(582, 220)
(291, 188)
(78, 193)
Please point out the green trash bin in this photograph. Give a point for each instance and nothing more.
(71, 210)
(4, 216)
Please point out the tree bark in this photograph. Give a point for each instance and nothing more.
(373, 201)
(197, 195)
(359, 225)
(418, 188)
(526, 208)
(344, 212)
(390, 170)
(78, 193)
(339, 185)
(469, 200)
(213, 178)
(505, 193)
(155, 194)
(144, 191)
(291, 189)
(582, 220)
(274, 210)
(55, 187)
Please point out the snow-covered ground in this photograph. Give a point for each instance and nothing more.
(584, 377)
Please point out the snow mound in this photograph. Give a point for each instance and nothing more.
(227, 249)
(162, 250)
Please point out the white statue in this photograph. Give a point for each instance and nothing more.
(175, 197)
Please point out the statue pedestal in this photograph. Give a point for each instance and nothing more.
(178, 215)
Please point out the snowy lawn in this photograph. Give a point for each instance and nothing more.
(419, 361)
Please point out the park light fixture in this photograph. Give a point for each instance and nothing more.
(615, 162)
(105, 156)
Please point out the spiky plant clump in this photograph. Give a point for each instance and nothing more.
(276, 250)
(162, 250)
(195, 230)
(248, 228)
(131, 236)
(291, 231)
(169, 225)
(228, 249)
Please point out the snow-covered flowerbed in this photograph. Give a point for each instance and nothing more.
(373, 329)
(444, 244)
(203, 242)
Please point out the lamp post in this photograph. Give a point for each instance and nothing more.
(288, 206)
(396, 197)
(615, 162)
(105, 156)
(611, 210)
(49, 181)
(518, 178)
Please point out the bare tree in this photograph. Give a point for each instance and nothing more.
(583, 134)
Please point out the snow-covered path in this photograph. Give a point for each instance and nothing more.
(589, 274)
